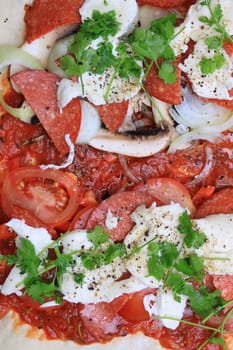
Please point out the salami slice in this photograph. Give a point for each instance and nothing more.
(39, 89)
(162, 3)
(169, 93)
(113, 114)
(220, 203)
(114, 213)
(45, 15)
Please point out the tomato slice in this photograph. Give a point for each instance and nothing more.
(51, 195)
(167, 190)
(133, 310)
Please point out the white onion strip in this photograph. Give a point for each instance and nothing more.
(15, 55)
(209, 163)
(128, 172)
(209, 133)
(24, 113)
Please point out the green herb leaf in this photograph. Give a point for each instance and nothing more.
(79, 278)
(167, 72)
(210, 65)
(192, 238)
(98, 236)
(191, 265)
(214, 42)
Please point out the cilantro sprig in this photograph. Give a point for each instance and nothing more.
(178, 272)
(152, 44)
(215, 42)
(44, 276)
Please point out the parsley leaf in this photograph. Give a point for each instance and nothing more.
(100, 25)
(191, 265)
(98, 236)
(167, 72)
(210, 65)
(192, 238)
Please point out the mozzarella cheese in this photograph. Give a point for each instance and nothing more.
(39, 236)
(96, 85)
(217, 84)
(100, 284)
(163, 304)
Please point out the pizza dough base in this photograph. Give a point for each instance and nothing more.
(14, 336)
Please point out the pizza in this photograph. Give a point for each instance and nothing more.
(116, 174)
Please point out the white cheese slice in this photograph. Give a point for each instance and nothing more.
(38, 236)
(212, 85)
(126, 12)
(99, 284)
(96, 85)
(13, 282)
(164, 305)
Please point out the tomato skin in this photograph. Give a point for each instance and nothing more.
(167, 190)
(40, 198)
(134, 310)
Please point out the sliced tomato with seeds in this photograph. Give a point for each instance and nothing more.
(51, 195)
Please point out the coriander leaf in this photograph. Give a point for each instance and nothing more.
(164, 26)
(202, 301)
(10, 259)
(191, 265)
(167, 72)
(176, 282)
(155, 268)
(98, 236)
(214, 42)
(147, 44)
(193, 238)
(210, 65)
(217, 13)
(113, 251)
(97, 61)
(100, 24)
(39, 290)
(168, 253)
(79, 278)
(71, 67)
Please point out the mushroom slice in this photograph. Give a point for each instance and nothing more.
(139, 143)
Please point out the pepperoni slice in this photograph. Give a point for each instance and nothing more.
(119, 207)
(162, 3)
(220, 203)
(39, 89)
(45, 15)
(169, 93)
(224, 283)
(113, 114)
(102, 318)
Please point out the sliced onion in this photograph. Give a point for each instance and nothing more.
(24, 113)
(15, 55)
(90, 123)
(67, 90)
(200, 178)
(194, 113)
(58, 50)
(209, 133)
(184, 140)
